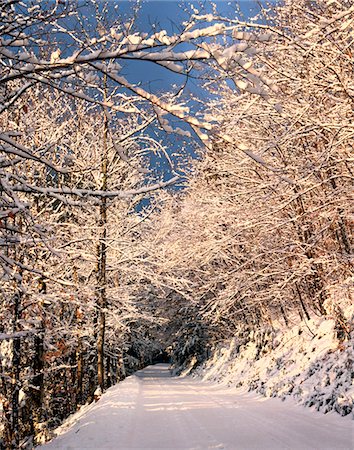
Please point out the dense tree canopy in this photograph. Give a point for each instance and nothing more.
(94, 287)
(263, 232)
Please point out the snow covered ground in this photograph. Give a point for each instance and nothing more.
(305, 361)
(152, 410)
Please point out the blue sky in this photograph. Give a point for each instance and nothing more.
(167, 15)
(154, 16)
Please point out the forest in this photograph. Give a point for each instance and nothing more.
(108, 264)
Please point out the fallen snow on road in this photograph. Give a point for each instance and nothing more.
(152, 410)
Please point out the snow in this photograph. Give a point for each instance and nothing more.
(152, 410)
(305, 361)
(95, 193)
(17, 335)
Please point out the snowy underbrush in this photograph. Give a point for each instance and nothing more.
(312, 361)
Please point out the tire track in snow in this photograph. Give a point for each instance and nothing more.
(151, 410)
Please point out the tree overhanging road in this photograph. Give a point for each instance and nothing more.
(152, 410)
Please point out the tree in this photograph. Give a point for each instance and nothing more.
(64, 107)
(59, 326)
(262, 234)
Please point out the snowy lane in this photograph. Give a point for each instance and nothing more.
(151, 410)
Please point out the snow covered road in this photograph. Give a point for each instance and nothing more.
(151, 410)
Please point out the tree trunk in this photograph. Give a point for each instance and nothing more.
(16, 360)
(38, 367)
(79, 361)
(102, 262)
(16, 355)
(38, 380)
(304, 309)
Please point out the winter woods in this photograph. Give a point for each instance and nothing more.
(263, 234)
(74, 145)
(90, 287)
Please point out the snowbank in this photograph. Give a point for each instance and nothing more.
(77, 431)
(306, 361)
